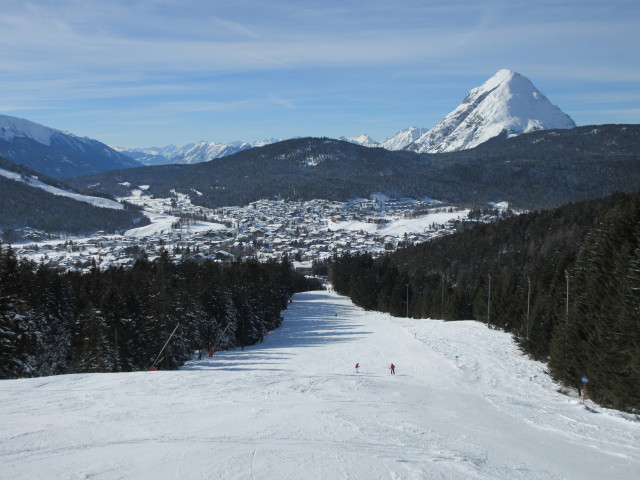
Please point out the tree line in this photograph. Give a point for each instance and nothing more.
(118, 319)
(565, 282)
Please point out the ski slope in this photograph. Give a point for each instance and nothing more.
(464, 404)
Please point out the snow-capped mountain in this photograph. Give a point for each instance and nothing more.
(191, 153)
(56, 153)
(506, 104)
(365, 140)
(403, 139)
(205, 151)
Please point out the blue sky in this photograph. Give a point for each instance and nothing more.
(155, 72)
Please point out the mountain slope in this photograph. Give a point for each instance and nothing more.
(540, 169)
(56, 153)
(465, 403)
(506, 104)
(29, 200)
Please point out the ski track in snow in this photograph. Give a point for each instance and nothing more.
(465, 404)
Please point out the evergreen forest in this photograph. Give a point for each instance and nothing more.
(118, 319)
(565, 282)
(25, 206)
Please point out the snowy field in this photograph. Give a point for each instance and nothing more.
(400, 226)
(464, 404)
(161, 222)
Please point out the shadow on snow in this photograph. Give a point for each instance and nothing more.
(309, 321)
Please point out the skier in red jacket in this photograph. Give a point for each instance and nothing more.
(357, 367)
(393, 369)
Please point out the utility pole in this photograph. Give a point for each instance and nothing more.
(489, 305)
(528, 305)
(407, 285)
(566, 320)
(442, 305)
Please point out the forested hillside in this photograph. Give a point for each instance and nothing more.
(118, 319)
(23, 205)
(517, 275)
(537, 170)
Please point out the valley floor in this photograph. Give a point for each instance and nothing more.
(464, 404)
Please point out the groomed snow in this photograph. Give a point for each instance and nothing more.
(465, 404)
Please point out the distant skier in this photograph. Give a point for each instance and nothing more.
(393, 369)
(357, 368)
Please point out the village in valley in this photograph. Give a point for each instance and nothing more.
(266, 229)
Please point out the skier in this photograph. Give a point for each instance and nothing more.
(357, 367)
(393, 369)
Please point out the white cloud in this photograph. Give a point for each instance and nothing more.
(276, 100)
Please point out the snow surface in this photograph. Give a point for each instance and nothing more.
(465, 404)
(34, 182)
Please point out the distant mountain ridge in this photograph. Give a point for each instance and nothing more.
(56, 153)
(189, 154)
(505, 105)
(540, 169)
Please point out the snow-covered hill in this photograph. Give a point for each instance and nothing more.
(54, 152)
(506, 104)
(36, 183)
(464, 404)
